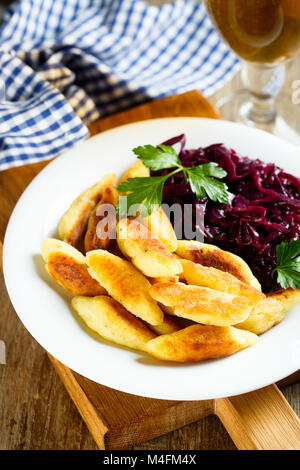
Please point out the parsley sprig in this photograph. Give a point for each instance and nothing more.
(288, 264)
(147, 191)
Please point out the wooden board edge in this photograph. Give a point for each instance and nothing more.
(290, 380)
(93, 419)
(260, 420)
(175, 106)
(171, 418)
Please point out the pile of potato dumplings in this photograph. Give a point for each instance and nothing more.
(177, 300)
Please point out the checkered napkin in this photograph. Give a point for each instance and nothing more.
(66, 63)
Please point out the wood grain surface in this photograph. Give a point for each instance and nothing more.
(260, 420)
(36, 411)
(118, 420)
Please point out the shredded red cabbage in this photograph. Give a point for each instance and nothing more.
(264, 209)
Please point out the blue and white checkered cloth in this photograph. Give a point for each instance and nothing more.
(66, 63)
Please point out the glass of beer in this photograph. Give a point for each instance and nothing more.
(265, 34)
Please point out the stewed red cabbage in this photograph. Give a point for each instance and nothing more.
(264, 209)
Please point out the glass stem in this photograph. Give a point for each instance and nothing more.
(264, 83)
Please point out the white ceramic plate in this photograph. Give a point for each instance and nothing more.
(44, 308)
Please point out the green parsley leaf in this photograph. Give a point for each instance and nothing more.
(202, 181)
(142, 192)
(157, 158)
(212, 169)
(288, 264)
(286, 251)
(147, 192)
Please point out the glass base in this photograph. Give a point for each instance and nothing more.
(284, 123)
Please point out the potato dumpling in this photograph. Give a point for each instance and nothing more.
(101, 230)
(155, 280)
(68, 267)
(201, 304)
(137, 170)
(270, 311)
(288, 298)
(112, 321)
(213, 257)
(74, 222)
(213, 278)
(145, 250)
(125, 284)
(263, 316)
(159, 224)
(200, 342)
(169, 325)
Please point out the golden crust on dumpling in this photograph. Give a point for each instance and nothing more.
(74, 221)
(212, 256)
(154, 280)
(263, 316)
(201, 304)
(125, 284)
(270, 311)
(112, 321)
(213, 278)
(200, 342)
(69, 269)
(288, 298)
(159, 224)
(145, 250)
(169, 325)
(101, 230)
(137, 170)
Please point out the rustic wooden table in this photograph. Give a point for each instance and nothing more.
(35, 410)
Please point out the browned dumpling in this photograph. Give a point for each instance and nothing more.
(68, 267)
(169, 325)
(288, 298)
(112, 321)
(270, 311)
(125, 284)
(137, 170)
(145, 250)
(213, 278)
(101, 230)
(74, 222)
(200, 342)
(213, 257)
(201, 304)
(159, 224)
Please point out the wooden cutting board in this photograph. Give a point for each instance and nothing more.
(258, 420)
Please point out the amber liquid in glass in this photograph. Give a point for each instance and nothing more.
(262, 31)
